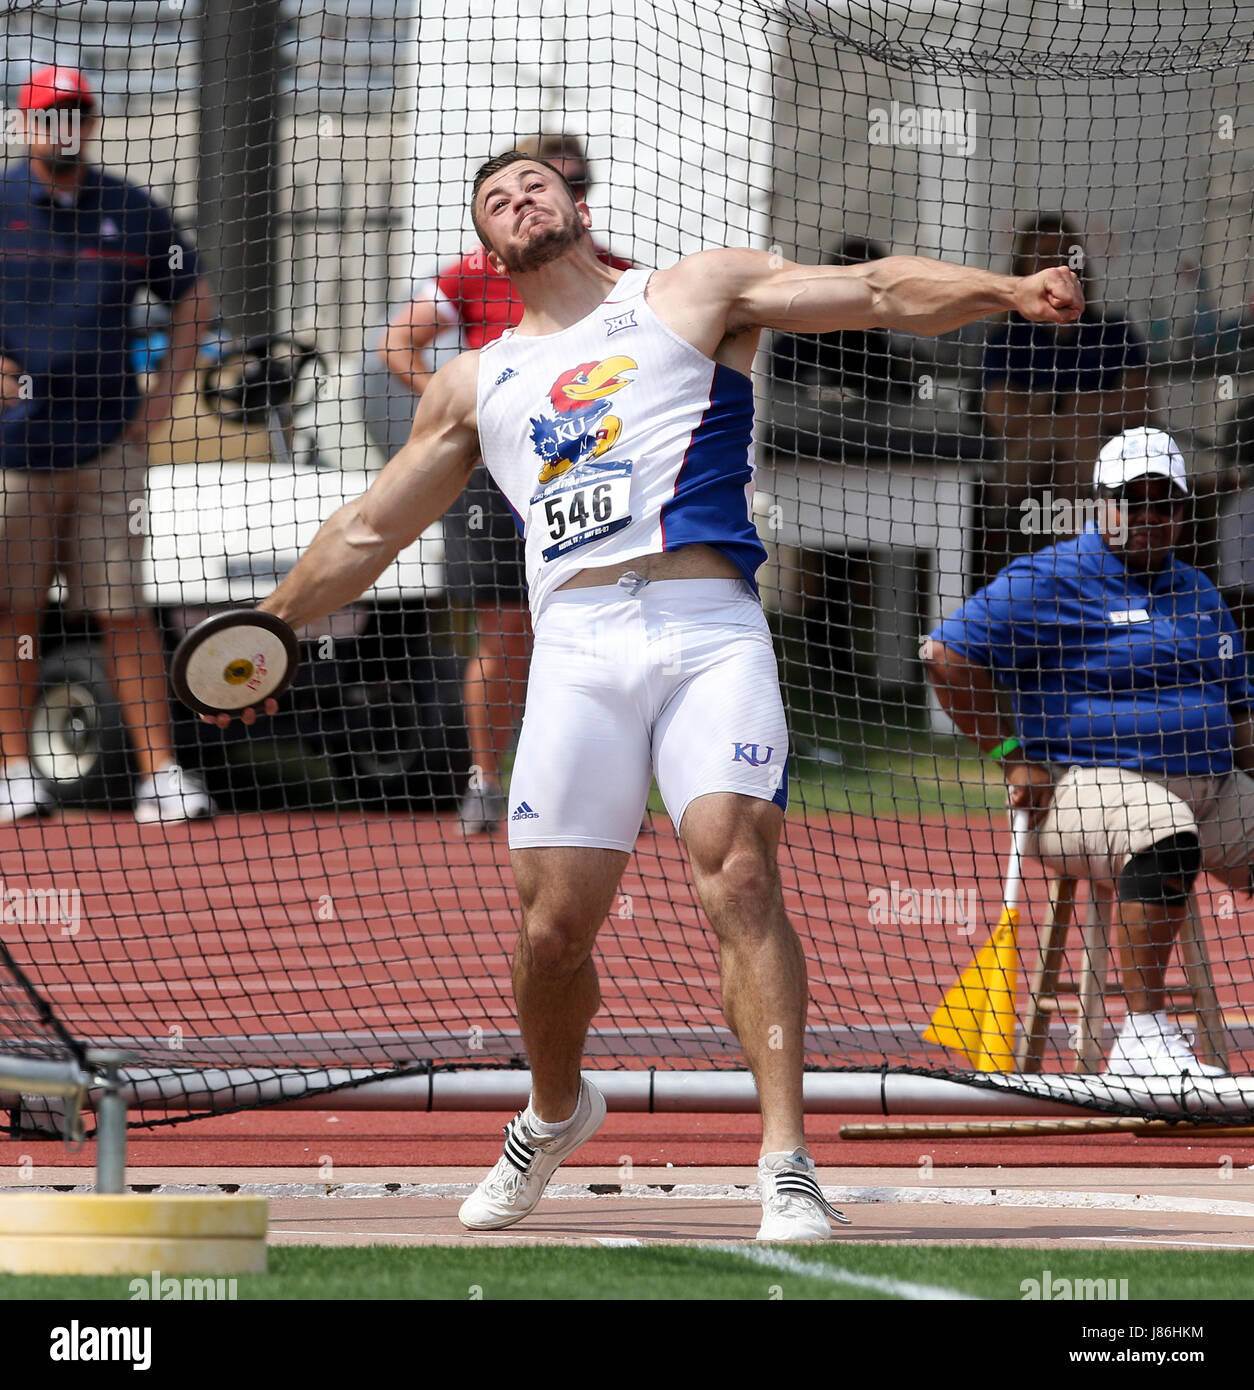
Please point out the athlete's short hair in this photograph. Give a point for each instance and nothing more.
(493, 166)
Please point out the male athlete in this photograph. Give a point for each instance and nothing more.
(617, 419)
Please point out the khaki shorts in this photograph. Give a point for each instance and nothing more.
(1100, 816)
(85, 523)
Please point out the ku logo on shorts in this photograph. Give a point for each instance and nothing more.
(751, 753)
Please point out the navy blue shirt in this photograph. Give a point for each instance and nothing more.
(1090, 355)
(1107, 667)
(68, 275)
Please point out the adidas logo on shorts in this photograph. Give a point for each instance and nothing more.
(524, 812)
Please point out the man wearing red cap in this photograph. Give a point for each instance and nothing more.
(63, 88)
(77, 245)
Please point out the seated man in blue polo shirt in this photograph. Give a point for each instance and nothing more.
(1133, 721)
(76, 246)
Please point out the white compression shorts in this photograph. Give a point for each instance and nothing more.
(677, 679)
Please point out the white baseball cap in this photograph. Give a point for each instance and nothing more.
(1139, 453)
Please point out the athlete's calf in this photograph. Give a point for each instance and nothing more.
(565, 893)
(733, 844)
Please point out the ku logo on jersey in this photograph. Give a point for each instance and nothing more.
(581, 427)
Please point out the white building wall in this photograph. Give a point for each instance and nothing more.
(673, 103)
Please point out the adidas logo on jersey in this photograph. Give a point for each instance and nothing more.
(619, 322)
(524, 812)
(505, 376)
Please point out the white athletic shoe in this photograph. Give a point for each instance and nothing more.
(793, 1205)
(512, 1189)
(23, 792)
(1150, 1045)
(173, 794)
(482, 810)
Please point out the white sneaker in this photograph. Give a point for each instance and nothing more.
(1151, 1045)
(793, 1205)
(172, 794)
(512, 1189)
(22, 792)
(482, 810)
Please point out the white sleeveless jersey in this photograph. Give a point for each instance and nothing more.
(615, 438)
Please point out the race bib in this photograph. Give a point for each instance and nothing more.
(594, 502)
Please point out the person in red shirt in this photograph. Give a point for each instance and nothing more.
(483, 547)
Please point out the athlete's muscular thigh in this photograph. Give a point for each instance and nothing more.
(733, 846)
(566, 893)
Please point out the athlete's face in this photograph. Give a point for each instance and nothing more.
(528, 218)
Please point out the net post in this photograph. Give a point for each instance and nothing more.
(110, 1119)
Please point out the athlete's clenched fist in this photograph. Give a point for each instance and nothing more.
(1050, 296)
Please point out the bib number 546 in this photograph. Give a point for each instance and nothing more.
(574, 511)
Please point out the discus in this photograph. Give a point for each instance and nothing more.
(233, 660)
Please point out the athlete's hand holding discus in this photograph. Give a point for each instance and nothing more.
(248, 715)
(217, 663)
(233, 662)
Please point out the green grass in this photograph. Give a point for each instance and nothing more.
(862, 749)
(858, 752)
(688, 1272)
(899, 785)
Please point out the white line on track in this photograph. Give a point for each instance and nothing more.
(1161, 1240)
(779, 1260)
(1041, 1197)
(785, 1263)
(418, 1237)
(925, 1195)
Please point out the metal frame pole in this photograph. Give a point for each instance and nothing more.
(237, 175)
(110, 1119)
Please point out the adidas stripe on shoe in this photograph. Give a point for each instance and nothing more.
(514, 1187)
(793, 1205)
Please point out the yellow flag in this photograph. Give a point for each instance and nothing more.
(977, 1016)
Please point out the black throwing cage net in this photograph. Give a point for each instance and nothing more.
(349, 905)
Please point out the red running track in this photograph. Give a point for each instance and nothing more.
(305, 1140)
(203, 937)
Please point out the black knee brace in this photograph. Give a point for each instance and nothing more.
(1164, 873)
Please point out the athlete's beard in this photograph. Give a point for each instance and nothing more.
(548, 246)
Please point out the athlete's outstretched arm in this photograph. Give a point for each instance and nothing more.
(357, 543)
(908, 293)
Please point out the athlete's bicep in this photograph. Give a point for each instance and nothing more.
(426, 476)
(754, 290)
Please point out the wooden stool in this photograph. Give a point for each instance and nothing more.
(1049, 993)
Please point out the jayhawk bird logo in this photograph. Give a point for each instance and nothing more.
(581, 427)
